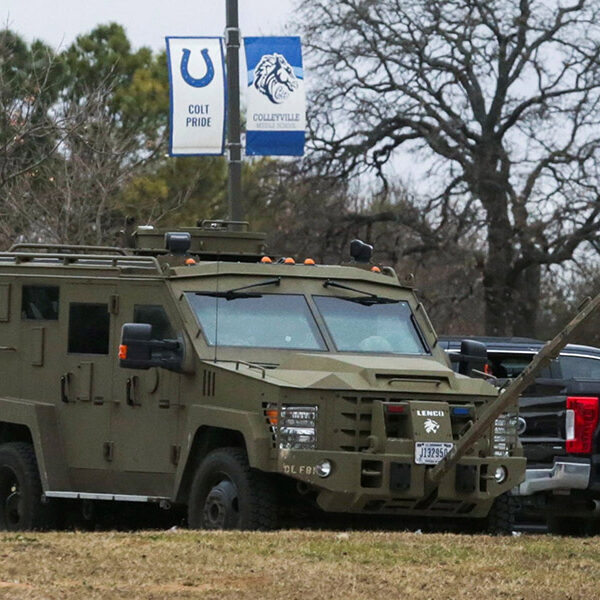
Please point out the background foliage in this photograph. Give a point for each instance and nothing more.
(83, 143)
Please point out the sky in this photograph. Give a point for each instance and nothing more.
(58, 22)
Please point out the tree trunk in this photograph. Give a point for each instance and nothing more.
(527, 301)
(498, 294)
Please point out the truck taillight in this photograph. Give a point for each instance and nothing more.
(581, 421)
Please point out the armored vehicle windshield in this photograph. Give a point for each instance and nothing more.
(289, 321)
(281, 321)
(377, 328)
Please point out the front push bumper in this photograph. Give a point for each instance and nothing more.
(563, 475)
(394, 484)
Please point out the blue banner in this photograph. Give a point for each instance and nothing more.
(276, 116)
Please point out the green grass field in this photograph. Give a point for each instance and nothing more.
(297, 565)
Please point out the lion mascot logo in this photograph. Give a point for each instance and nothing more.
(275, 78)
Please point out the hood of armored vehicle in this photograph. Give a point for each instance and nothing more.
(420, 374)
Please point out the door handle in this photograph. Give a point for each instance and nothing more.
(64, 382)
(130, 387)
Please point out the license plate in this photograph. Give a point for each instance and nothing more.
(430, 453)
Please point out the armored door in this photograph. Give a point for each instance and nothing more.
(88, 343)
(10, 382)
(144, 417)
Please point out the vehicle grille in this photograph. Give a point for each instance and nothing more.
(353, 422)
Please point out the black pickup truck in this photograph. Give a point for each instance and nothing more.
(559, 428)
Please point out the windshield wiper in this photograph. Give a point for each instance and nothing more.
(237, 293)
(367, 300)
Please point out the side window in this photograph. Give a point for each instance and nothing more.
(156, 316)
(578, 367)
(39, 302)
(89, 326)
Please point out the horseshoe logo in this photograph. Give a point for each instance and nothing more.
(203, 81)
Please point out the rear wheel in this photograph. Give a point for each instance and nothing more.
(227, 494)
(21, 506)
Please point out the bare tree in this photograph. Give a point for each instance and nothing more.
(29, 133)
(317, 217)
(500, 98)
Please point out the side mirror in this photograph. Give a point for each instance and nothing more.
(360, 251)
(473, 356)
(139, 351)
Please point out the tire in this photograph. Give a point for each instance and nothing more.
(21, 506)
(502, 516)
(227, 494)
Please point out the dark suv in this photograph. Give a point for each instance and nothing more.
(558, 427)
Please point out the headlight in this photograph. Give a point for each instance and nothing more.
(324, 469)
(504, 436)
(297, 427)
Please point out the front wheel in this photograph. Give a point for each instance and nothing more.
(227, 493)
(502, 516)
(21, 506)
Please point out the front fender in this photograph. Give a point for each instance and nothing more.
(251, 425)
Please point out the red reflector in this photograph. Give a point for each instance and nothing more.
(122, 352)
(586, 421)
(395, 408)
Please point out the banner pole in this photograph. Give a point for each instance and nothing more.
(234, 145)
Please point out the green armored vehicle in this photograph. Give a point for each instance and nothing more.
(193, 370)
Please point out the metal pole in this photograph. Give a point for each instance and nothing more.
(234, 145)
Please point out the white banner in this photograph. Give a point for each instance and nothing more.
(197, 83)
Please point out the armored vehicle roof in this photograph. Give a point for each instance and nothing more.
(213, 248)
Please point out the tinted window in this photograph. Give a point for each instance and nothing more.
(270, 321)
(375, 328)
(576, 367)
(39, 302)
(509, 366)
(89, 326)
(156, 316)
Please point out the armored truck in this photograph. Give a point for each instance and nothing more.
(193, 370)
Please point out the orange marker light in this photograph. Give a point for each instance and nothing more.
(376, 269)
(122, 352)
(265, 259)
(289, 261)
(272, 416)
(190, 261)
(309, 261)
